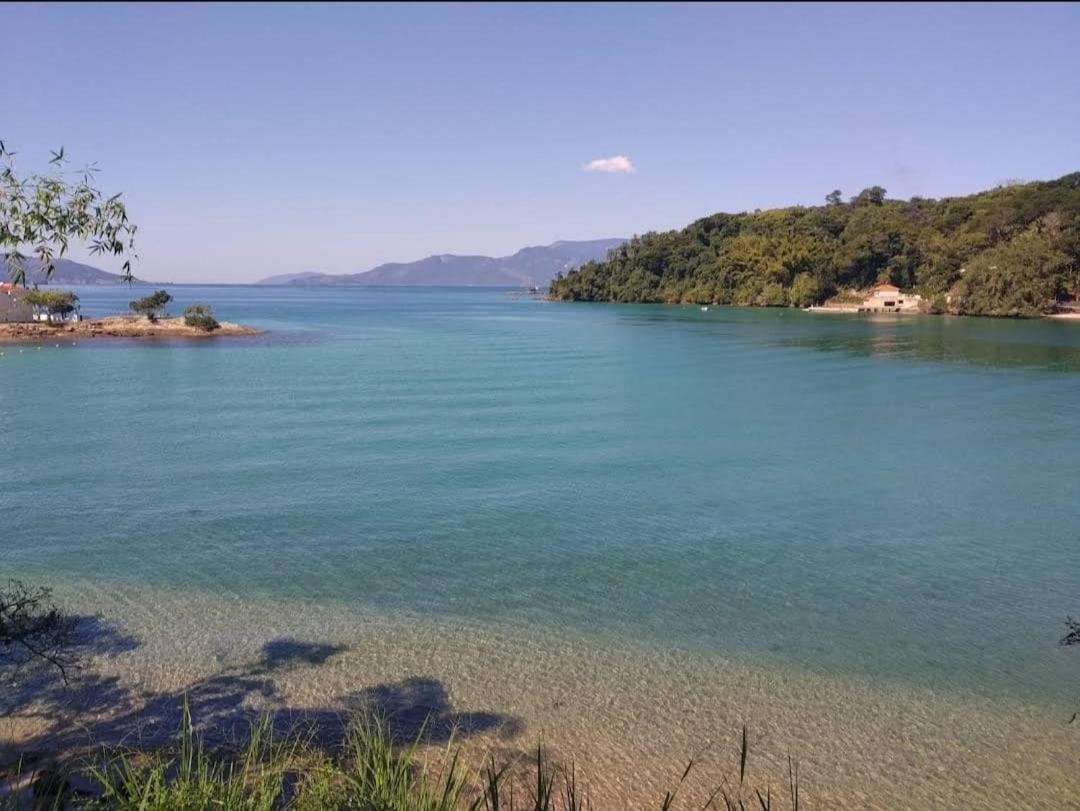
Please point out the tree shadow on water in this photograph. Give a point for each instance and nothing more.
(47, 686)
(419, 708)
(95, 635)
(287, 651)
(96, 710)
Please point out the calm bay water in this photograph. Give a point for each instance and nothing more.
(894, 498)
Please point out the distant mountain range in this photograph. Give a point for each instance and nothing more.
(65, 272)
(529, 267)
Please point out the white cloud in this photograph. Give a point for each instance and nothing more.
(616, 163)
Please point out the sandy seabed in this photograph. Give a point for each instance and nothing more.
(631, 716)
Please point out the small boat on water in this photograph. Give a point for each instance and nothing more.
(704, 309)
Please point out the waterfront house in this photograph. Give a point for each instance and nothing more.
(52, 315)
(53, 306)
(888, 298)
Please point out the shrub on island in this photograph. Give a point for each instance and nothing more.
(201, 316)
(151, 306)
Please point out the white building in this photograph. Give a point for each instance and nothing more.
(888, 298)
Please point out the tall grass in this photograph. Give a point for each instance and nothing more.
(369, 772)
(193, 779)
(378, 775)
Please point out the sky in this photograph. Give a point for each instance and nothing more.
(251, 140)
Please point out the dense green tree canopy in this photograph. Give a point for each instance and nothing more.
(1013, 250)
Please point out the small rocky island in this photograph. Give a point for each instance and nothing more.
(44, 315)
(118, 326)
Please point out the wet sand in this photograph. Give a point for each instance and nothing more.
(116, 326)
(631, 716)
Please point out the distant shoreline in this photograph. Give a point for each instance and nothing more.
(116, 326)
(821, 308)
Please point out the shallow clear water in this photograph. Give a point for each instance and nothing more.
(892, 497)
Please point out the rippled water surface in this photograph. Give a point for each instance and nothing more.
(892, 498)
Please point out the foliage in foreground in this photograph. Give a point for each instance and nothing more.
(200, 316)
(33, 628)
(1010, 251)
(46, 212)
(369, 773)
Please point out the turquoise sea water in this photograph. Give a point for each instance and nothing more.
(895, 497)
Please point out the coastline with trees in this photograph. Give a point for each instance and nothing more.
(1012, 251)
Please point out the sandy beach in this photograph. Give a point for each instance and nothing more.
(116, 326)
(631, 716)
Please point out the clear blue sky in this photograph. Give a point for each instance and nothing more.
(258, 139)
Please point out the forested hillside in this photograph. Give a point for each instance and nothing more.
(1010, 251)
